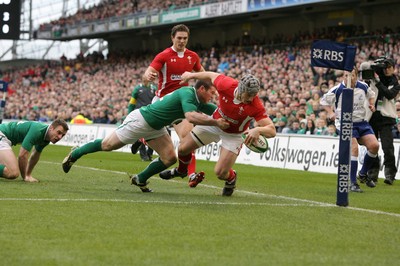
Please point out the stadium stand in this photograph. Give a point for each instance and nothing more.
(98, 86)
(110, 8)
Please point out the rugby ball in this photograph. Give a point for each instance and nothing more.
(259, 146)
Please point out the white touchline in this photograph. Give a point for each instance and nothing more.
(304, 201)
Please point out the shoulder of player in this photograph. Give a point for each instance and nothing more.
(137, 87)
(38, 125)
(257, 104)
(223, 82)
(185, 89)
(362, 85)
(188, 51)
(334, 89)
(186, 92)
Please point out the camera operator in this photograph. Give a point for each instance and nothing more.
(384, 83)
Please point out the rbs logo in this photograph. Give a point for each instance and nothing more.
(328, 55)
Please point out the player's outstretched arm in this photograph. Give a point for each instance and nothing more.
(202, 119)
(186, 76)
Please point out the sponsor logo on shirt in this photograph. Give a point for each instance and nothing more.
(175, 77)
(227, 118)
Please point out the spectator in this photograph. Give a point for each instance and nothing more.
(303, 127)
(332, 130)
(223, 66)
(280, 123)
(310, 127)
(80, 119)
(293, 129)
(321, 128)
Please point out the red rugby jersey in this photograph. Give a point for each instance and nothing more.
(171, 65)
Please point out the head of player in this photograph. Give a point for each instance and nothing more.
(205, 91)
(353, 76)
(247, 89)
(57, 130)
(180, 37)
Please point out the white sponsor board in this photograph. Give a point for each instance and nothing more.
(297, 152)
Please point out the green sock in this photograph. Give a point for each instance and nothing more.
(89, 147)
(155, 167)
(2, 166)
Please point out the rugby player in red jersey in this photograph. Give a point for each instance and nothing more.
(239, 104)
(168, 66)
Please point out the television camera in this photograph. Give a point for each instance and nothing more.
(369, 69)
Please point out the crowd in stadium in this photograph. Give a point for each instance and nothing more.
(111, 8)
(99, 86)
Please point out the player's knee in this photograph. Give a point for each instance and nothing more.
(106, 147)
(182, 150)
(170, 160)
(10, 173)
(187, 146)
(374, 148)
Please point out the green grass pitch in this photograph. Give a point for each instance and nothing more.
(93, 216)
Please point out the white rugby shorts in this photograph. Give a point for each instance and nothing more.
(204, 135)
(135, 127)
(5, 143)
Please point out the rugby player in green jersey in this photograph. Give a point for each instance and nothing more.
(149, 123)
(30, 135)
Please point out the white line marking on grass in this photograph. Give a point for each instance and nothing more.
(310, 202)
(164, 202)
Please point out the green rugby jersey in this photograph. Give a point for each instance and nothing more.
(26, 133)
(172, 107)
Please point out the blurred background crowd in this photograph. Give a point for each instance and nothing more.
(99, 86)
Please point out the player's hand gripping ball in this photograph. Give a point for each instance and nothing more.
(260, 145)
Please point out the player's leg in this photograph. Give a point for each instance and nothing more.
(149, 153)
(199, 136)
(165, 148)
(135, 146)
(185, 149)
(372, 145)
(230, 148)
(143, 152)
(388, 152)
(373, 172)
(186, 146)
(182, 130)
(224, 165)
(111, 142)
(223, 170)
(8, 164)
(354, 186)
